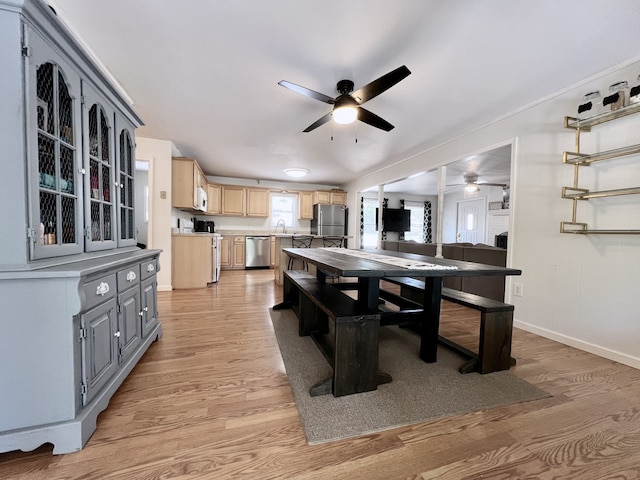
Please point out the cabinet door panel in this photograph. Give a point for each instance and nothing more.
(99, 166)
(257, 202)
(54, 136)
(149, 294)
(99, 347)
(129, 324)
(233, 200)
(125, 181)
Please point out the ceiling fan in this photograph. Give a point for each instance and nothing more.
(347, 106)
(472, 185)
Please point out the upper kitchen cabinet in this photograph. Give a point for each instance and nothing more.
(257, 202)
(330, 197)
(305, 204)
(214, 199)
(233, 200)
(187, 180)
(338, 197)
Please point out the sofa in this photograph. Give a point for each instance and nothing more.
(489, 287)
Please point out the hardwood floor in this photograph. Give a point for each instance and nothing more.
(211, 400)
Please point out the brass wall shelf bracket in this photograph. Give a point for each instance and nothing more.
(574, 158)
(578, 160)
(586, 124)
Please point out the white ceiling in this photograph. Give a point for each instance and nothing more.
(204, 74)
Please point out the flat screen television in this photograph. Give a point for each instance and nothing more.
(395, 220)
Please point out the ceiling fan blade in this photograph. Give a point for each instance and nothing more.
(488, 184)
(378, 86)
(307, 92)
(374, 120)
(317, 123)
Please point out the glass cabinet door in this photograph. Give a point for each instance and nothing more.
(99, 169)
(126, 182)
(54, 118)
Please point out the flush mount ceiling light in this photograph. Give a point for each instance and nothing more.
(296, 172)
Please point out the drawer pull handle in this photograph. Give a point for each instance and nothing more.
(131, 276)
(150, 268)
(102, 289)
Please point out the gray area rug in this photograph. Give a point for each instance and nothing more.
(418, 393)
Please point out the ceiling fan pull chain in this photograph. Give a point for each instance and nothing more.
(332, 131)
(356, 133)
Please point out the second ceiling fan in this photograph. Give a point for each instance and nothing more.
(347, 106)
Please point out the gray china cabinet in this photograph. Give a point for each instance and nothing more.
(79, 298)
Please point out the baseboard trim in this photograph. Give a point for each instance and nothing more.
(580, 344)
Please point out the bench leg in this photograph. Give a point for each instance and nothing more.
(355, 366)
(494, 352)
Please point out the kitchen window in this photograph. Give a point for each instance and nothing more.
(283, 208)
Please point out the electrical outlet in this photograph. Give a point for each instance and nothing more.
(518, 290)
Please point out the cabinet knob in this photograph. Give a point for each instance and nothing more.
(131, 276)
(150, 268)
(146, 309)
(102, 289)
(117, 334)
(141, 314)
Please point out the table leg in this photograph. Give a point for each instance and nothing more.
(369, 291)
(431, 320)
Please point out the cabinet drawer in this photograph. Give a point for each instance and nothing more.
(148, 268)
(128, 277)
(99, 290)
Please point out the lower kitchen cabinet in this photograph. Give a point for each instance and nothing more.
(239, 245)
(232, 252)
(83, 327)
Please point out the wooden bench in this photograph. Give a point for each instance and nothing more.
(345, 331)
(496, 326)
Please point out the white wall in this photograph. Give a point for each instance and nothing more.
(158, 154)
(580, 290)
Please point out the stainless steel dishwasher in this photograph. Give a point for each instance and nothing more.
(257, 252)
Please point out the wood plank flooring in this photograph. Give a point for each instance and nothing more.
(211, 400)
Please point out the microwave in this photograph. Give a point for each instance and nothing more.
(201, 200)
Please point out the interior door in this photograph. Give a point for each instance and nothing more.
(471, 224)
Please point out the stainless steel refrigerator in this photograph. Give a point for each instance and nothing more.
(330, 220)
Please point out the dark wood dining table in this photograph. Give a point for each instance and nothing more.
(370, 266)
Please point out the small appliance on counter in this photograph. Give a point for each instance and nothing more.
(204, 226)
(185, 226)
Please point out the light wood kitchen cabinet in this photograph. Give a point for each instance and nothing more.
(330, 197)
(191, 261)
(225, 252)
(186, 177)
(338, 197)
(305, 205)
(272, 251)
(238, 252)
(214, 199)
(233, 200)
(322, 196)
(257, 202)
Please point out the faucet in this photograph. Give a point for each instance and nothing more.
(284, 226)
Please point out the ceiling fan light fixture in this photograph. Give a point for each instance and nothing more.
(345, 115)
(296, 172)
(471, 188)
